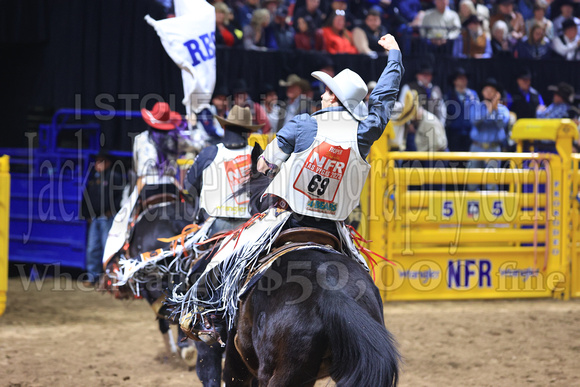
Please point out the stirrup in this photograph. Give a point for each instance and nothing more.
(204, 330)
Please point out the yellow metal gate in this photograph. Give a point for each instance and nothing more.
(514, 238)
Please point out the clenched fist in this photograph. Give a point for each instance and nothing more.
(388, 42)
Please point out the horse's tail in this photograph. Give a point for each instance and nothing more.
(363, 350)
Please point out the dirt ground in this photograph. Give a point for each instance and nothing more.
(67, 335)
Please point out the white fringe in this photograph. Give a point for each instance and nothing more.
(217, 290)
(135, 270)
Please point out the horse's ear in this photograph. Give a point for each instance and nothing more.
(256, 152)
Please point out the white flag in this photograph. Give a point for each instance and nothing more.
(189, 39)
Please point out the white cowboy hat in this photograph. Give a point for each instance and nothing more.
(349, 88)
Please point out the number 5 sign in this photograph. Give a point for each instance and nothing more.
(322, 173)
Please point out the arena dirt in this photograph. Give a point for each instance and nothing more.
(61, 335)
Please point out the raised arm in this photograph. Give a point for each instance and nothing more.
(382, 98)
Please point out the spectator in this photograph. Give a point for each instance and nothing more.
(255, 37)
(283, 33)
(430, 134)
(465, 10)
(458, 101)
(563, 97)
(526, 99)
(473, 42)
(307, 37)
(272, 7)
(311, 9)
(440, 24)
(490, 118)
(567, 12)
(409, 11)
(470, 7)
(219, 101)
(342, 5)
(244, 11)
(482, 11)
(296, 100)
(500, 45)
(490, 121)
(366, 37)
(540, 18)
(219, 107)
(567, 45)
(514, 20)
(272, 107)
(101, 201)
(224, 33)
(430, 96)
(242, 98)
(533, 46)
(526, 8)
(337, 39)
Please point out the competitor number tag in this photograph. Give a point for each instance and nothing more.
(321, 175)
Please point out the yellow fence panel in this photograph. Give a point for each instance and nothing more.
(4, 221)
(512, 236)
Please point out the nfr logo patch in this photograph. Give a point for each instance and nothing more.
(322, 173)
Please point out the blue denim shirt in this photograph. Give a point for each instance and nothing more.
(489, 127)
(559, 110)
(298, 134)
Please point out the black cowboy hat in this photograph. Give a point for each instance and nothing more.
(267, 88)
(564, 90)
(471, 19)
(458, 72)
(220, 90)
(425, 68)
(568, 23)
(323, 61)
(240, 87)
(524, 73)
(493, 83)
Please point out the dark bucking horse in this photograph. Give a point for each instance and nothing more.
(164, 216)
(323, 318)
(314, 313)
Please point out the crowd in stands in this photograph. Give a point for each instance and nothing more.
(473, 117)
(463, 116)
(535, 29)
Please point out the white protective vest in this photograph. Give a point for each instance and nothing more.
(325, 180)
(224, 176)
